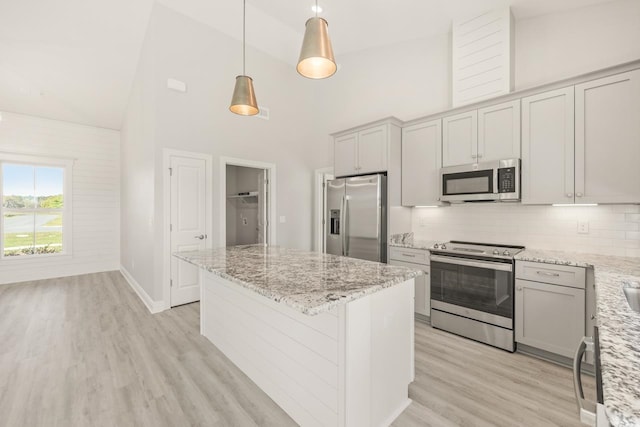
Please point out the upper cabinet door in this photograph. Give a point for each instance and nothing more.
(608, 139)
(345, 160)
(548, 147)
(421, 162)
(372, 149)
(460, 139)
(499, 131)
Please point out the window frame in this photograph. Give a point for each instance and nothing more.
(67, 187)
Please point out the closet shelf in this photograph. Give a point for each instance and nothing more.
(248, 194)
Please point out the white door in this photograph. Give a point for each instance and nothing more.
(548, 147)
(263, 207)
(460, 139)
(188, 224)
(372, 150)
(345, 155)
(499, 131)
(421, 162)
(608, 139)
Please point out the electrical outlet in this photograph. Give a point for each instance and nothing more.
(583, 227)
(244, 221)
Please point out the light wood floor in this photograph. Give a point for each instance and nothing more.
(84, 351)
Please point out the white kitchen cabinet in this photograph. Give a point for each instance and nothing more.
(550, 306)
(548, 147)
(490, 133)
(346, 155)
(421, 163)
(460, 139)
(499, 131)
(361, 152)
(608, 139)
(419, 260)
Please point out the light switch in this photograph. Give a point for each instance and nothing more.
(283, 219)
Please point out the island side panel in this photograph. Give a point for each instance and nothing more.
(291, 356)
(376, 356)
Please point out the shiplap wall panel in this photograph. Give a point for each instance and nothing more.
(482, 56)
(96, 194)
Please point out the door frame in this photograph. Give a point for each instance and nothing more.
(319, 201)
(271, 199)
(166, 210)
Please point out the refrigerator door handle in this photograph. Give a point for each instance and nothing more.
(342, 223)
(345, 236)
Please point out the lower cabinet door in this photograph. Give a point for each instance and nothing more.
(549, 317)
(423, 287)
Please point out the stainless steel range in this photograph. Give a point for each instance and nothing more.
(472, 291)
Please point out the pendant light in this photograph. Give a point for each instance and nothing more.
(316, 56)
(243, 101)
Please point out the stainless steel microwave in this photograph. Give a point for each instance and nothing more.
(497, 181)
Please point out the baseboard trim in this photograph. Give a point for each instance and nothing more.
(153, 306)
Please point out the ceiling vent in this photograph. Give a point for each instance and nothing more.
(482, 57)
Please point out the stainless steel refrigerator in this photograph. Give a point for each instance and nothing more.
(357, 217)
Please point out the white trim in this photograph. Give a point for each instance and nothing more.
(318, 208)
(152, 306)
(222, 207)
(166, 209)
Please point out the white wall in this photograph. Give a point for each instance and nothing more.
(96, 187)
(561, 45)
(137, 239)
(199, 121)
(613, 230)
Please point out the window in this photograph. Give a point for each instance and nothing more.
(36, 206)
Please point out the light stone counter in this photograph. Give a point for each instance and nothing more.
(309, 282)
(618, 328)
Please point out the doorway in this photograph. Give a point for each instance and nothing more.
(247, 205)
(188, 222)
(247, 202)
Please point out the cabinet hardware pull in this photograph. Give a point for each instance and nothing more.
(578, 194)
(409, 255)
(519, 288)
(569, 194)
(546, 273)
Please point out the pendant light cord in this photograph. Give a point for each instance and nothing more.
(244, 20)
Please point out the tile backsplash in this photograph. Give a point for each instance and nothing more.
(612, 229)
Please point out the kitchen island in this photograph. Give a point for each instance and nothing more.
(328, 338)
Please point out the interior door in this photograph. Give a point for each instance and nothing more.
(363, 218)
(263, 207)
(188, 224)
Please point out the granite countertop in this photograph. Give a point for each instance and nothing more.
(618, 328)
(310, 282)
(407, 240)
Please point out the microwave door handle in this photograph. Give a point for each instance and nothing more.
(499, 266)
(496, 184)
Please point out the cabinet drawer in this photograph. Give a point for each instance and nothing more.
(419, 256)
(563, 275)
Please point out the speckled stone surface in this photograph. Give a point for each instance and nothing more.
(618, 328)
(310, 282)
(406, 240)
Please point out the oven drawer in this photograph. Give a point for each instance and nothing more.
(418, 256)
(563, 275)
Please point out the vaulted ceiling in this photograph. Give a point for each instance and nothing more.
(75, 60)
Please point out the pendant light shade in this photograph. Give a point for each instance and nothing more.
(316, 56)
(243, 101)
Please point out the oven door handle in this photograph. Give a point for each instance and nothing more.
(500, 266)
